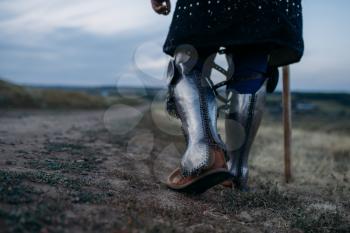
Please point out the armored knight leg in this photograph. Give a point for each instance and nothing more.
(246, 94)
(245, 110)
(195, 105)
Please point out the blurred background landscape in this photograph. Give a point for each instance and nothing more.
(85, 143)
(311, 110)
(87, 159)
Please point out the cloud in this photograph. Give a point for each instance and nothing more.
(150, 59)
(75, 42)
(104, 17)
(93, 42)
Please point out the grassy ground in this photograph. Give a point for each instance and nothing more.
(63, 171)
(73, 171)
(15, 96)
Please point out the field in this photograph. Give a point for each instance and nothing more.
(102, 170)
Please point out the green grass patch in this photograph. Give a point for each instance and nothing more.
(47, 214)
(9, 178)
(76, 166)
(288, 206)
(64, 147)
(15, 96)
(315, 222)
(88, 197)
(267, 196)
(12, 191)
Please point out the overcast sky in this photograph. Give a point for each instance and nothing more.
(108, 42)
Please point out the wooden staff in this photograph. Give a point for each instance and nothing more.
(287, 123)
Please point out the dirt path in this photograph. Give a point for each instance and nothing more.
(76, 172)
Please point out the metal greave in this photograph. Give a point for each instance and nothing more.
(197, 109)
(241, 125)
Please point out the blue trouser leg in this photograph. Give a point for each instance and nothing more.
(249, 74)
